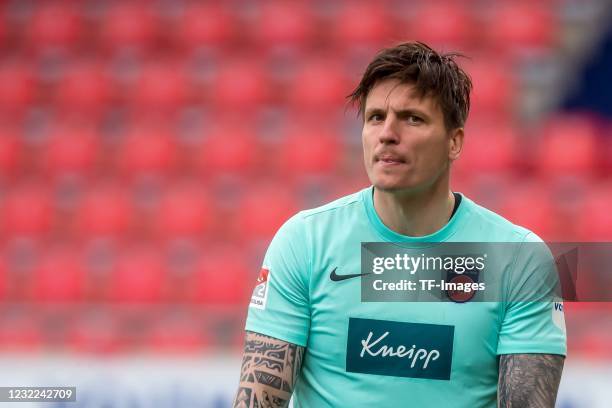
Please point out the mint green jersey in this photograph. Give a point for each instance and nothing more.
(443, 354)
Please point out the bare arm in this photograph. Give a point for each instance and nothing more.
(269, 370)
(529, 380)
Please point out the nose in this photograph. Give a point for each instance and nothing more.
(389, 133)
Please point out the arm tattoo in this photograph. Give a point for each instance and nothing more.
(270, 368)
(529, 380)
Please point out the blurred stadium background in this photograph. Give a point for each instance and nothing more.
(149, 151)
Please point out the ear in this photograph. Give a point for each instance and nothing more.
(455, 143)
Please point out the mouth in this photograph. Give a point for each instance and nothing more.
(387, 159)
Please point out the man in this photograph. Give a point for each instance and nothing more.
(307, 308)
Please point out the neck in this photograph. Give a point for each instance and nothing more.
(415, 213)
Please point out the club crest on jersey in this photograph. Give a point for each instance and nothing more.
(260, 293)
(466, 278)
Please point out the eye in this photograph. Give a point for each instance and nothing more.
(415, 119)
(375, 117)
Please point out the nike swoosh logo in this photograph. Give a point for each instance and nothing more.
(337, 278)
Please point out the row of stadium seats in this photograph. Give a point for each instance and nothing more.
(113, 330)
(182, 274)
(91, 86)
(276, 24)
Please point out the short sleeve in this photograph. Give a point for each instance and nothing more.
(280, 305)
(533, 321)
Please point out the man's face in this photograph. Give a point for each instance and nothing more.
(406, 146)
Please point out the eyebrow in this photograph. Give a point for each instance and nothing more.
(402, 113)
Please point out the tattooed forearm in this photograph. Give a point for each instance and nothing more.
(529, 380)
(269, 370)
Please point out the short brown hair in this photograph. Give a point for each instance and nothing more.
(431, 73)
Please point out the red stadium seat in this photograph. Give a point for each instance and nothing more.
(494, 90)
(147, 151)
(138, 276)
(128, 25)
(104, 211)
(280, 24)
(17, 88)
(319, 85)
(10, 153)
(4, 277)
(27, 211)
(239, 85)
(228, 149)
(84, 88)
(520, 26)
(20, 331)
(489, 147)
(206, 25)
(264, 209)
(71, 150)
(569, 147)
(184, 212)
(222, 277)
(529, 206)
(444, 25)
(361, 24)
(59, 276)
(307, 151)
(160, 87)
(54, 25)
(594, 221)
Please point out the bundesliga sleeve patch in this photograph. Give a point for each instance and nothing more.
(260, 293)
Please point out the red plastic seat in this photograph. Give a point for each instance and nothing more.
(184, 212)
(54, 24)
(239, 85)
(59, 276)
(10, 153)
(222, 278)
(71, 150)
(444, 25)
(20, 332)
(280, 24)
(569, 147)
(17, 88)
(104, 211)
(128, 25)
(490, 147)
(228, 149)
(594, 221)
(308, 150)
(529, 206)
(494, 90)
(84, 88)
(517, 26)
(206, 24)
(138, 276)
(360, 23)
(263, 209)
(4, 277)
(160, 87)
(147, 151)
(318, 85)
(27, 210)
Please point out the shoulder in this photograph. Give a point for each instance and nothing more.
(495, 226)
(326, 215)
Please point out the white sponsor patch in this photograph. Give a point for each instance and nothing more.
(558, 316)
(260, 293)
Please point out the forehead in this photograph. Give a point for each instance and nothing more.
(391, 93)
